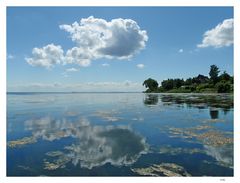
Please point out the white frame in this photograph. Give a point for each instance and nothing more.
(6, 3)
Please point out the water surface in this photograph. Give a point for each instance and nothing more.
(119, 134)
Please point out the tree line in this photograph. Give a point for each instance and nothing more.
(215, 83)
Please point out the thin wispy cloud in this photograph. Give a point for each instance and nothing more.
(72, 69)
(219, 36)
(105, 65)
(10, 56)
(140, 66)
(42, 85)
(126, 85)
(65, 74)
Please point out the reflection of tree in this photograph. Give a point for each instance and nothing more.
(151, 99)
(213, 113)
(226, 111)
(201, 101)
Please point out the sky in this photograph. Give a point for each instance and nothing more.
(114, 48)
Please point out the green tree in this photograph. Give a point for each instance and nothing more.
(224, 76)
(213, 73)
(223, 87)
(231, 80)
(151, 84)
(188, 81)
(167, 84)
(177, 83)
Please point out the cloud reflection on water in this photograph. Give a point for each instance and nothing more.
(223, 155)
(92, 145)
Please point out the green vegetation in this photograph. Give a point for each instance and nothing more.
(215, 83)
(213, 73)
(151, 84)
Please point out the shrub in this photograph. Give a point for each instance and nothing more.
(223, 87)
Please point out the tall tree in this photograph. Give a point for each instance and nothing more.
(213, 73)
(167, 84)
(151, 84)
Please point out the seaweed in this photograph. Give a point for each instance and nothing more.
(163, 169)
(21, 142)
(59, 163)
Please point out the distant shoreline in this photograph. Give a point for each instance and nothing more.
(185, 92)
(32, 93)
(42, 93)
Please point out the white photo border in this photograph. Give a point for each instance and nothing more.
(55, 3)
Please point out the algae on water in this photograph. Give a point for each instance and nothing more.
(163, 169)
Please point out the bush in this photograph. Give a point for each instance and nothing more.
(201, 87)
(223, 87)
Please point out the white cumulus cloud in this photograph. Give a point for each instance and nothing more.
(95, 39)
(47, 56)
(140, 66)
(220, 36)
(98, 38)
(78, 56)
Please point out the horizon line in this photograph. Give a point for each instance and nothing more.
(14, 92)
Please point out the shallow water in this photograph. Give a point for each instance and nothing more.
(119, 134)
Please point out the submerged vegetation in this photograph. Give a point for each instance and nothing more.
(21, 142)
(215, 83)
(163, 169)
(210, 137)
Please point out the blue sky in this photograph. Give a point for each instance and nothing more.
(114, 48)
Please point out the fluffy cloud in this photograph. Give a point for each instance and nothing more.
(47, 56)
(140, 66)
(220, 36)
(78, 56)
(97, 38)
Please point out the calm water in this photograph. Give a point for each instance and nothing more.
(119, 134)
